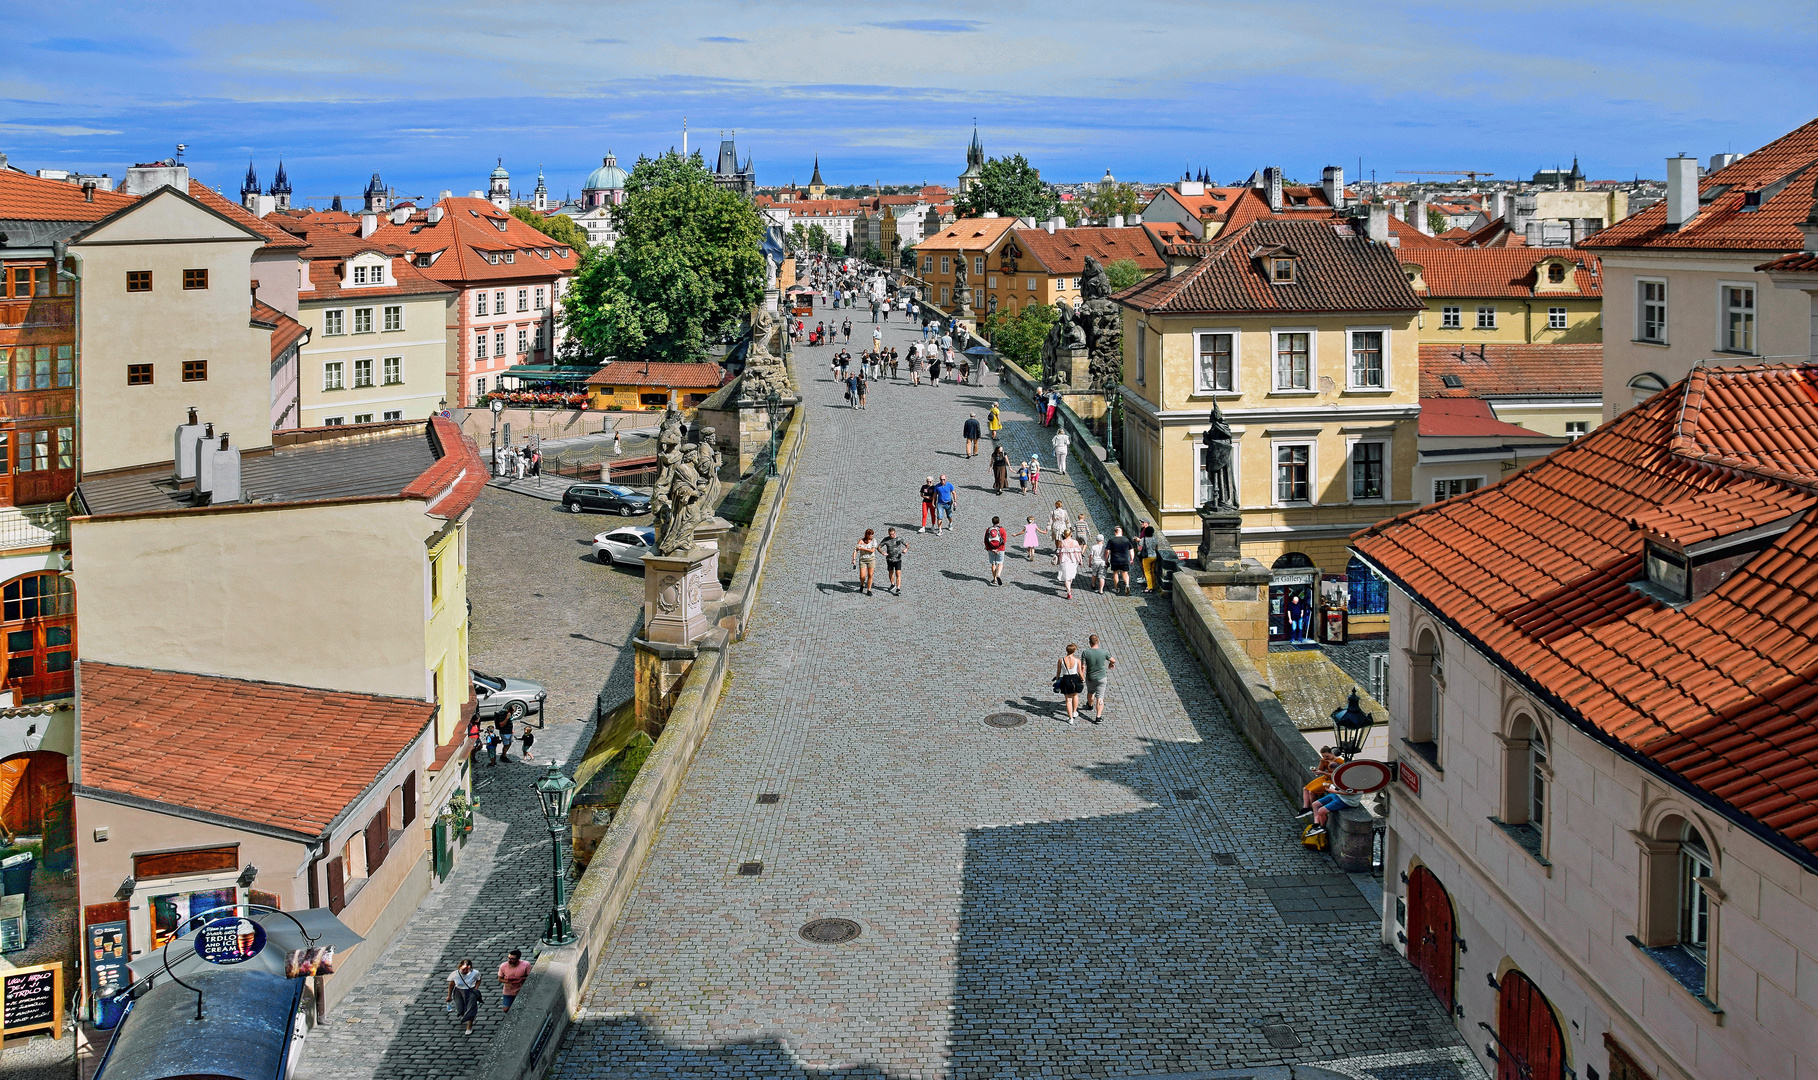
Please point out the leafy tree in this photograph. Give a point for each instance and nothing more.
(1113, 199)
(558, 227)
(1018, 337)
(874, 254)
(798, 236)
(1124, 273)
(1436, 221)
(817, 239)
(907, 261)
(686, 266)
(1012, 188)
(1073, 213)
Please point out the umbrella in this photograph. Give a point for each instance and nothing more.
(281, 936)
(981, 350)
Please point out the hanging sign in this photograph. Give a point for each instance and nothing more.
(230, 940)
(1409, 778)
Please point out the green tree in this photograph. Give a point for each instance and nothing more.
(1113, 199)
(1124, 273)
(1072, 212)
(1011, 187)
(908, 258)
(686, 266)
(874, 254)
(798, 237)
(1436, 221)
(558, 227)
(1019, 337)
(817, 239)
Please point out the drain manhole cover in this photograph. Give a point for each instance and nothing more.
(830, 931)
(751, 869)
(1006, 719)
(1188, 793)
(1224, 858)
(769, 797)
(1281, 1036)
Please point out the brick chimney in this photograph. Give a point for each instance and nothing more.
(1272, 186)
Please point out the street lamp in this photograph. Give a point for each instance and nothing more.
(498, 406)
(557, 791)
(773, 402)
(1351, 725)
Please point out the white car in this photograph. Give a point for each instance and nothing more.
(628, 546)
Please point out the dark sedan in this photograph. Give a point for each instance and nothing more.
(606, 498)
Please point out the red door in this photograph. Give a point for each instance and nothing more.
(1431, 940)
(38, 618)
(1531, 1045)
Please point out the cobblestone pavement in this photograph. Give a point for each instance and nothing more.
(1042, 899)
(542, 610)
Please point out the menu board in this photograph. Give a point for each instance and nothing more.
(31, 997)
(107, 957)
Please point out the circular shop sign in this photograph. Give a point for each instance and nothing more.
(1362, 776)
(228, 941)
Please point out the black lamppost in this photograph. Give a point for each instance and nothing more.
(1114, 403)
(1351, 725)
(498, 406)
(773, 403)
(557, 791)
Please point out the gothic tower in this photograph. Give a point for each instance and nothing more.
(280, 188)
(249, 188)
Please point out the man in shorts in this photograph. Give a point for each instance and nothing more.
(969, 431)
(894, 547)
(1117, 557)
(995, 542)
(943, 506)
(512, 974)
(1098, 664)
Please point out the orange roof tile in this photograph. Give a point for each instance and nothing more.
(1718, 696)
(28, 198)
(969, 234)
(469, 232)
(694, 376)
(1502, 271)
(1800, 262)
(1338, 270)
(285, 331)
(1517, 370)
(328, 252)
(288, 757)
(1064, 251)
(1455, 417)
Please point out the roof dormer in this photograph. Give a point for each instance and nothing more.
(1692, 546)
(1556, 274)
(1279, 263)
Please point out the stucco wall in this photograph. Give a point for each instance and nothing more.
(422, 344)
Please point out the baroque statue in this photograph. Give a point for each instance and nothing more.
(764, 370)
(1221, 486)
(1095, 326)
(687, 485)
(962, 293)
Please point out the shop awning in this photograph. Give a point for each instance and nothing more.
(549, 373)
(249, 1021)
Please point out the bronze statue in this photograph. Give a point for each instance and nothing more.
(1221, 486)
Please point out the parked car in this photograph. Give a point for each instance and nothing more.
(609, 498)
(495, 696)
(628, 546)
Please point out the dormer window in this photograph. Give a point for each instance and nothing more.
(1556, 273)
(1281, 270)
(1678, 572)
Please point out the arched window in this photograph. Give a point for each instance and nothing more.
(1527, 778)
(1646, 385)
(1537, 780)
(37, 615)
(1679, 911)
(1694, 901)
(1293, 560)
(1369, 593)
(1427, 681)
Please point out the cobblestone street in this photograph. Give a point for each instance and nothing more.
(1089, 900)
(542, 610)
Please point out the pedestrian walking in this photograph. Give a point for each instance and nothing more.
(1069, 553)
(846, 330)
(463, 997)
(536, 462)
(1032, 537)
(1022, 477)
(1061, 446)
(969, 431)
(1069, 682)
(895, 360)
(1057, 524)
(862, 384)
(934, 370)
(1035, 475)
(864, 560)
(877, 338)
(512, 974)
(995, 422)
(915, 365)
(852, 391)
(492, 747)
(1096, 558)
(927, 504)
(996, 540)
(927, 328)
(525, 740)
(894, 547)
(943, 506)
(1000, 468)
(1149, 550)
(503, 726)
(1098, 663)
(1117, 559)
(617, 447)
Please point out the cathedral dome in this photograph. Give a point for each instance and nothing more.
(608, 177)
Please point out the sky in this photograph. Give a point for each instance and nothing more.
(430, 98)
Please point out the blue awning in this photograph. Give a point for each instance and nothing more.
(245, 1034)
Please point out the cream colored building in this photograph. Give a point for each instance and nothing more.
(378, 347)
(1550, 296)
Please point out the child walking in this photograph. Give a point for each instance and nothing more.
(1032, 537)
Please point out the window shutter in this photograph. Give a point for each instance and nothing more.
(376, 836)
(337, 885)
(410, 799)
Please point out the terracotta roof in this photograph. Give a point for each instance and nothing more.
(1494, 233)
(276, 239)
(1064, 251)
(289, 757)
(1511, 370)
(658, 374)
(1336, 270)
(1718, 696)
(470, 230)
(969, 234)
(328, 253)
(1456, 417)
(1801, 262)
(27, 198)
(285, 331)
(1167, 233)
(1502, 271)
(1720, 513)
(1780, 175)
(453, 483)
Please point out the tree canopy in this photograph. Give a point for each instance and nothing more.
(1018, 337)
(1011, 187)
(1124, 273)
(1113, 199)
(558, 227)
(686, 266)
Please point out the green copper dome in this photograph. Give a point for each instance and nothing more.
(608, 177)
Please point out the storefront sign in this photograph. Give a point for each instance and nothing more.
(107, 973)
(229, 941)
(31, 998)
(1409, 778)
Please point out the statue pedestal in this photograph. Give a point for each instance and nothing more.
(707, 535)
(675, 594)
(1220, 546)
(1075, 368)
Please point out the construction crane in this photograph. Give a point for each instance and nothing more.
(1473, 174)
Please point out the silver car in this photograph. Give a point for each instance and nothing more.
(496, 697)
(628, 546)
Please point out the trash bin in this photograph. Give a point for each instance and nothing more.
(16, 873)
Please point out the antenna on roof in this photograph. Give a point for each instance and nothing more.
(180, 148)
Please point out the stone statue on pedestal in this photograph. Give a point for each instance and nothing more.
(1103, 322)
(962, 293)
(1221, 487)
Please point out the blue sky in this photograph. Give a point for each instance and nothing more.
(430, 96)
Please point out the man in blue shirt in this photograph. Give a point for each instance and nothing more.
(943, 506)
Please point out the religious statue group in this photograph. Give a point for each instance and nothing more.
(687, 485)
(1096, 326)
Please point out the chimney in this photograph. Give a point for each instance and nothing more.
(1418, 208)
(369, 224)
(1051, 226)
(1378, 227)
(1117, 221)
(400, 215)
(1682, 190)
(1134, 219)
(145, 179)
(1272, 185)
(218, 472)
(88, 191)
(1179, 260)
(476, 194)
(1192, 188)
(183, 452)
(1333, 180)
(435, 214)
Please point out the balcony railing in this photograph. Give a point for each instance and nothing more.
(45, 525)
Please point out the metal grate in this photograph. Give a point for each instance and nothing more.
(750, 869)
(769, 797)
(1224, 858)
(831, 931)
(1188, 793)
(1006, 720)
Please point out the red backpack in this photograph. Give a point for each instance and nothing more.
(994, 538)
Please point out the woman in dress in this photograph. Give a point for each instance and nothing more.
(1069, 680)
(1000, 468)
(915, 365)
(1057, 524)
(1069, 560)
(864, 560)
(996, 423)
(1032, 537)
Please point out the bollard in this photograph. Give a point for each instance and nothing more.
(1353, 836)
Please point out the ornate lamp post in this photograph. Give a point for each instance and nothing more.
(557, 791)
(773, 403)
(1114, 404)
(1351, 725)
(498, 406)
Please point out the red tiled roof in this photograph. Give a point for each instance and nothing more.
(1494, 233)
(1511, 370)
(1064, 251)
(1454, 417)
(696, 376)
(328, 252)
(469, 230)
(1167, 233)
(1337, 270)
(1802, 262)
(1502, 271)
(27, 198)
(1719, 695)
(285, 331)
(276, 239)
(1780, 173)
(453, 483)
(290, 757)
(969, 234)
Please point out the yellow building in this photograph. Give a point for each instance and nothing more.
(1514, 295)
(634, 387)
(975, 240)
(1036, 266)
(1304, 333)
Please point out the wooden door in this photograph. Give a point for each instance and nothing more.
(1432, 934)
(33, 807)
(37, 616)
(1530, 1044)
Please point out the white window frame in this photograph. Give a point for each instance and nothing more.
(362, 320)
(1642, 303)
(946, 264)
(479, 303)
(362, 418)
(479, 386)
(1275, 334)
(479, 345)
(1724, 341)
(1387, 442)
(1388, 381)
(540, 291)
(333, 421)
(394, 414)
(1202, 385)
(991, 281)
(1451, 318)
(498, 344)
(1438, 480)
(362, 373)
(393, 371)
(334, 322)
(359, 275)
(523, 299)
(1558, 318)
(946, 294)
(1584, 427)
(498, 302)
(394, 317)
(978, 265)
(1486, 310)
(1276, 446)
(1031, 284)
(523, 339)
(334, 375)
